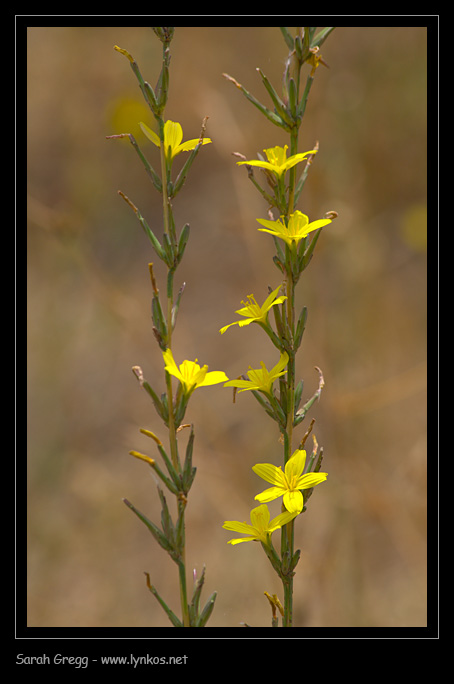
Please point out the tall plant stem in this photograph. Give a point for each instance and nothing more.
(287, 531)
(172, 426)
(290, 286)
(166, 213)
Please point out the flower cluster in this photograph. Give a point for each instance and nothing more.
(289, 484)
(292, 233)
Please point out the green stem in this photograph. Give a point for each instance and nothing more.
(290, 303)
(287, 620)
(165, 197)
(172, 426)
(183, 590)
(165, 207)
(287, 532)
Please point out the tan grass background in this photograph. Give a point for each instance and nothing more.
(363, 538)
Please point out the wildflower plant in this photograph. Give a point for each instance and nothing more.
(284, 170)
(174, 474)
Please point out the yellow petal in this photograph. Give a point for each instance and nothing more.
(242, 539)
(213, 378)
(273, 225)
(170, 365)
(261, 164)
(281, 520)
(270, 494)
(260, 517)
(315, 225)
(269, 473)
(151, 135)
(173, 134)
(235, 526)
(295, 465)
(293, 501)
(311, 480)
(190, 144)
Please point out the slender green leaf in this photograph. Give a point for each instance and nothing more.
(274, 118)
(187, 468)
(298, 394)
(172, 472)
(195, 603)
(308, 254)
(300, 327)
(168, 483)
(159, 322)
(170, 614)
(279, 105)
(183, 241)
(176, 306)
(153, 239)
(206, 612)
(322, 36)
(162, 412)
(155, 531)
(179, 182)
(166, 520)
(287, 37)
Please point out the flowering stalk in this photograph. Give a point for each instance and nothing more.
(170, 249)
(292, 232)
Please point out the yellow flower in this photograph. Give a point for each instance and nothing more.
(289, 483)
(190, 374)
(277, 160)
(173, 135)
(261, 379)
(254, 312)
(298, 227)
(261, 527)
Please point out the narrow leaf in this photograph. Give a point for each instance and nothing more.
(206, 612)
(279, 105)
(194, 606)
(300, 327)
(159, 321)
(274, 118)
(154, 240)
(155, 531)
(183, 241)
(187, 468)
(322, 36)
(166, 519)
(170, 614)
(156, 401)
(307, 256)
(287, 37)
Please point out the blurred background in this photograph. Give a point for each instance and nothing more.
(363, 537)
